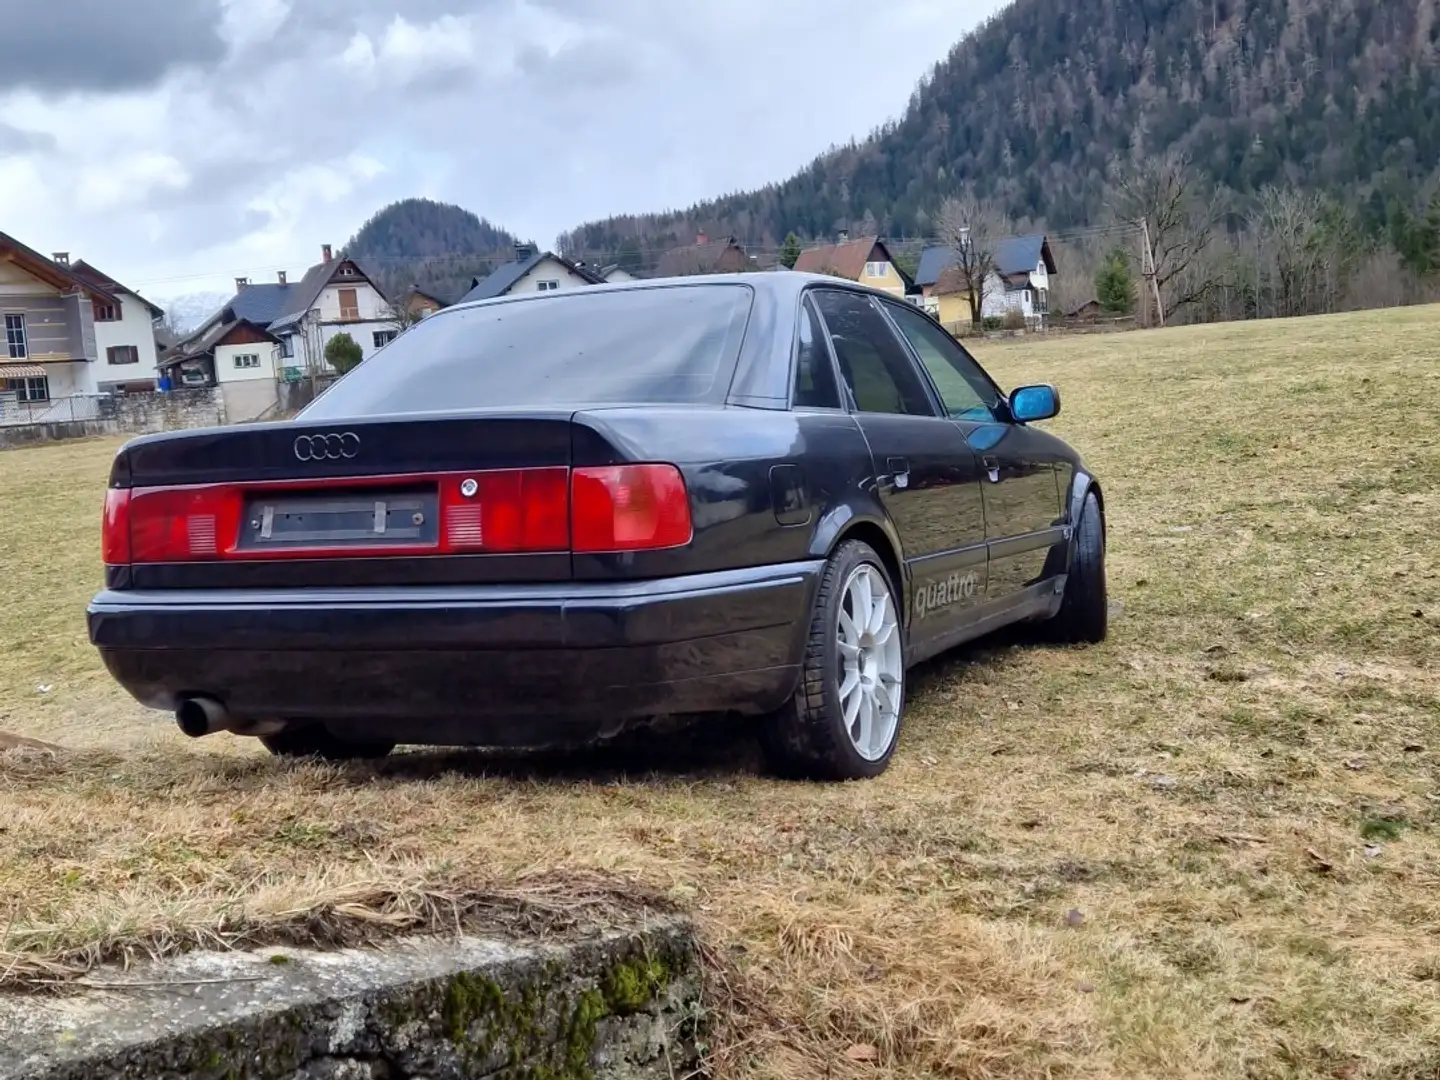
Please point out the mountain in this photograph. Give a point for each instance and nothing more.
(434, 245)
(187, 312)
(1336, 95)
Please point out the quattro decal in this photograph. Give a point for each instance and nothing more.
(941, 593)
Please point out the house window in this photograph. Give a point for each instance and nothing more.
(15, 337)
(29, 389)
(875, 269)
(549, 285)
(105, 312)
(349, 304)
(1042, 301)
(384, 337)
(287, 347)
(122, 354)
(247, 360)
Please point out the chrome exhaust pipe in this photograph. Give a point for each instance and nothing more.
(200, 716)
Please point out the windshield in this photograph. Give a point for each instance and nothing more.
(665, 345)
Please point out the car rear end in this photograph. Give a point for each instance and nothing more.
(475, 538)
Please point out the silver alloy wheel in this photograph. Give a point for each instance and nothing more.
(872, 665)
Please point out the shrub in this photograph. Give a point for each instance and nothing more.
(991, 322)
(1012, 320)
(343, 353)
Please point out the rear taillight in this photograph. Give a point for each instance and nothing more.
(512, 511)
(629, 508)
(594, 510)
(115, 528)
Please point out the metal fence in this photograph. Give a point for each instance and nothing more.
(14, 411)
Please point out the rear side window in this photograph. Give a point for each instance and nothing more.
(814, 373)
(657, 346)
(873, 363)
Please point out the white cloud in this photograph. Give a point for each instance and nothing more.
(538, 114)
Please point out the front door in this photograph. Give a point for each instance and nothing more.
(1024, 512)
(929, 480)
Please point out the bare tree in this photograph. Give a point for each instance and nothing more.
(1163, 195)
(972, 228)
(401, 314)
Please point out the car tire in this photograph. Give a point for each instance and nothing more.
(850, 669)
(318, 741)
(1084, 614)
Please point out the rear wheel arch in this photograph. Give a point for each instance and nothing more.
(871, 533)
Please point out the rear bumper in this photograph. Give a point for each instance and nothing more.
(485, 665)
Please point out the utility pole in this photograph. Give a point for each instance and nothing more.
(1151, 272)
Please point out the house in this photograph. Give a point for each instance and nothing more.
(235, 350)
(614, 274)
(419, 304)
(1019, 282)
(1089, 311)
(531, 271)
(705, 256)
(866, 260)
(336, 296)
(51, 348)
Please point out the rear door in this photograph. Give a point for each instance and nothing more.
(929, 478)
(1024, 514)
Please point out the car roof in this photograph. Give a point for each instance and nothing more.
(779, 286)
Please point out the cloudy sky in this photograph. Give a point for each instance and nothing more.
(179, 143)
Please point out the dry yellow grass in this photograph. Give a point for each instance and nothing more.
(1205, 849)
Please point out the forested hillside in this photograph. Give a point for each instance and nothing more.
(1339, 96)
(434, 245)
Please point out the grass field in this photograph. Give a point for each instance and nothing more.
(1208, 848)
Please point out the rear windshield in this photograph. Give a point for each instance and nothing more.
(666, 345)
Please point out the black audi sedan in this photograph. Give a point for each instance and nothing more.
(538, 520)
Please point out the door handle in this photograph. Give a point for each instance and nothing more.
(899, 472)
(992, 468)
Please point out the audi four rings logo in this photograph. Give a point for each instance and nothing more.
(327, 447)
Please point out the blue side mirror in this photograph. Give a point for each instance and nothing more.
(1030, 403)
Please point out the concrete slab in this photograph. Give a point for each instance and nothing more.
(623, 1005)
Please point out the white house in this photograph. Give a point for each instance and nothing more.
(51, 347)
(235, 351)
(125, 351)
(336, 296)
(531, 271)
(1021, 279)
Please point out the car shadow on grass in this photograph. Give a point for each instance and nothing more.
(704, 748)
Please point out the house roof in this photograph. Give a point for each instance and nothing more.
(302, 295)
(504, 277)
(97, 279)
(847, 259)
(47, 270)
(700, 258)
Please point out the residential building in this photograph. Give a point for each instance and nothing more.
(50, 349)
(614, 274)
(336, 296)
(1020, 282)
(419, 304)
(235, 350)
(125, 332)
(531, 271)
(866, 260)
(705, 256)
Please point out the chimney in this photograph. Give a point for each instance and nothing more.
(522, 251)
(241, 284)
(701, 239)
(62, 257)
(325, 253)
(283, 279)
(844, 236)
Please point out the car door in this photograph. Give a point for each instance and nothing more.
(929, 479)
(1024, 511)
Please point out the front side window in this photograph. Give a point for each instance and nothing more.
(576, 347)
(814, 374)
(15, 337)
(964, 388)
(874, 365)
